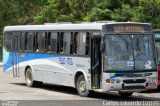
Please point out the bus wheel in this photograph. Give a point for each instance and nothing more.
(81, 86)
(29, 79)
(125, 94)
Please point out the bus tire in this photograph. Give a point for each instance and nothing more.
(125, 94)
(29, 79)
(81, 86)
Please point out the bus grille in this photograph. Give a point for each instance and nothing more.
(133, 75)
(129, 81)
(133, 87)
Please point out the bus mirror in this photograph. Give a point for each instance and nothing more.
(102, 46)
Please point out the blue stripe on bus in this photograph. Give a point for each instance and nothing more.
(7, 58)
(120, 74)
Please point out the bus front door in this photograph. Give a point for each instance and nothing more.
(15, 67)
(95, 62)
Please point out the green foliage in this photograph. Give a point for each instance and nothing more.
(143, 11)
(14, 12)
(64, 10)
(100, 11)
(54, 11)
(96, 10)
(125, 13)
(150, 12)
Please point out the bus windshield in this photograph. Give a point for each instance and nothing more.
(129, 52)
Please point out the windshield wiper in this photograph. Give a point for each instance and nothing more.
(137, 45)
(121, 36)
(138, 40)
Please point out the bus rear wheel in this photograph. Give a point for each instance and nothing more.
(125, 94)
(81, 86)
(29, 79)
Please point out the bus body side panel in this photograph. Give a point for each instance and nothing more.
(24, 60)
(57, 69)
(49, 68)
(7, 65)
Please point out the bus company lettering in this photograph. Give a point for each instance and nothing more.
(80, 65)
(64, 60)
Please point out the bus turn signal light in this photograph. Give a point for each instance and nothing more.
(107, 80)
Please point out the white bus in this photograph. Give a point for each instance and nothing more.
(115, 56)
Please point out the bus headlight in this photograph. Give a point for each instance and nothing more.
(153, 79)
(112, 80)
(149, 79)
(107, 80)
(118, 81)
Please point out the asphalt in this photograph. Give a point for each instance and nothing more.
(14, 92)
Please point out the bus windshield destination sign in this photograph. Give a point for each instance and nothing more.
(116, 28)
(128, 28)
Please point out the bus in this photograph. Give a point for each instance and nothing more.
(101, 57)
(157, 41)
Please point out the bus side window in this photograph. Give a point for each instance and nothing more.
(66, 43)
(42, 42)
(81, 43)
(72, 43)
(53, 42)
(22, 41)
(16, 37)
(8, 40)
(61, 35)
(75, 42)
(29, 41)
(35, 42)
(87, 43)
(58, 42)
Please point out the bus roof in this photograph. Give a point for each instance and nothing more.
(156, 30)
(91, 26)
(66, 26)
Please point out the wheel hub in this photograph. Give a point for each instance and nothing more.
(29, 77)
(82, 86)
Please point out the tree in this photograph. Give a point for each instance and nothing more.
(150, 10)
(54, 11)
(144, 11)
(125, 13)
(14, 12)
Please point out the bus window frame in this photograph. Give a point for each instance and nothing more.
(4, 37)
(27, 32)
(56, 31)
(58, 53)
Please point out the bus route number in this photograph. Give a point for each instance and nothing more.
(67, 61)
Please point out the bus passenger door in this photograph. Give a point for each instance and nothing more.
(95, 62)
(15, 56)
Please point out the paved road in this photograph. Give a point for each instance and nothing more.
(51, 95)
